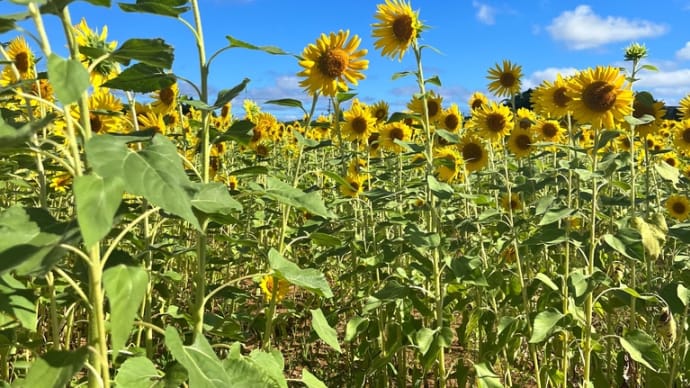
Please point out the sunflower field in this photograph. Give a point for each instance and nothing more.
(154, 239)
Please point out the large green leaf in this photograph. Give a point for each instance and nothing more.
(310, 279)
(9, 22)
(226, 95)
(12, 136)
(17, 303)
(153, 52)
(271, 365)
(544, 324)
(69, 78)
(125, 287)
(202, 364)
(324, 330)
(97, 200)
(55, 369)
(311, 381)
(213, 198)
(155, 172)
(141, 78)
(139, 372)
(643, 349)
(172, 8)
(285, 193)
(486, 377)
(267, 49)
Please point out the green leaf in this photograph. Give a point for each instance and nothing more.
(553, 215)
(683, 294)
(441, 190)
(434, 81)
(486, 377)
(125, 287)
(17, 303)
(547, 281)
(311, 381)
(141, 78)
(69, 78)
(213, 198)
(667, 172)
(271, 365)
(55, 368)
(325, 239)
(310, 279)
(11, 136)
(289, 102)
(239, 131)
(154, 172)
(172, 8)
(423, 338)
(202, 364)
(97, 200)
(544, 324)
(605, 137)
(285, 193)
(649, 67)
(226, 95)
(643, 349)
(352, 327)
(153, 52)
(138, 372)
(9, 22)
(324, 330)
(267, 49)
(401, 74)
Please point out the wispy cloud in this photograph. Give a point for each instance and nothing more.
(684, 53)
(548, 74)
(485, 13)
(666, 85)
(583, 29)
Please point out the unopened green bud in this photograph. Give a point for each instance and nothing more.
(635, 52)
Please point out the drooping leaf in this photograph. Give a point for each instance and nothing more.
(141, 78)
(226, 95)
(56, 368)
(668, 172)
(153, 52)
(213, 198)
(310, 380)
(17, 303)
(271, 365)
(203, 366)
(139, 372)
(643, 349)
(68, 77)
(544, 324)
(125, 287)
(267, 49)
(9, 22)
(310, 279)
(239, 131)
(285, 193)
(441, 190)
(324, 330)
(97, 200)
(486, 377)
(289, 102)
(172, 8)
(553, 215)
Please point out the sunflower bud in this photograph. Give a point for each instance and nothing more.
(635, 52)
(666, 328)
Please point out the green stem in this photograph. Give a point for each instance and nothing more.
(268, 328)
(54, 324)
(97, 338)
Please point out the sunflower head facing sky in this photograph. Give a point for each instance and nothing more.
(599, 97)
(505, 80)
(22, 58)
(493, 122)
(86, 37)
(550, 98)
(390, 132)
(359, 123)
(473, 153)
(678, 207)
(397, 28)
(331, 63)
(434, 105)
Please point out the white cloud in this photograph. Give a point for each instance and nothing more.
(485, 13)
(666, 85)
(548, 74)
(684, 53)
(583, 29)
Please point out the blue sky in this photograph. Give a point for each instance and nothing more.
(545, 37)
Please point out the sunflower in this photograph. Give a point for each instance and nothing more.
(61, 181)
(251, 109)
(684, 107)
(374, 145)
(390, 132)
(451, 119)
(397, 28)
(380, 110)
(681, 137)
(357, 166)
(448, 164)
(521, 142)
(525, 118)
(359, 123)
(494, 121)
(645, 105)
(267, 286)
(165, 100)
(20, 55)
(154, 121)
(599, 97)
(105, 113)
(86, 37)
(473, 153)
(670, 158)
(433, 105)
(549, 131)
(505, 80)
(477, 101)
(232, 182)
(353, 185)
(511, 203)
(264, 124)
(331, 62)
(678, 207)
(550, 99)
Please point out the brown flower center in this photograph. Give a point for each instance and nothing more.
(523, 141)
(472, 152)
(402, 28)
(355, 185)
(599, 96)
(496, 122)
(396, 133)
(452, 122)
(671, 161)
(333, 63)
(525, 123)
(96, 123)
(432, 107)
(225, 110)
(167, 96)
(476, 104)
(507, 79)
(359, 125)
(21, 61)
(380, 114)
(373, 141)
(678, 208)
(549, 130)
(686, 135)
(560, 98)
